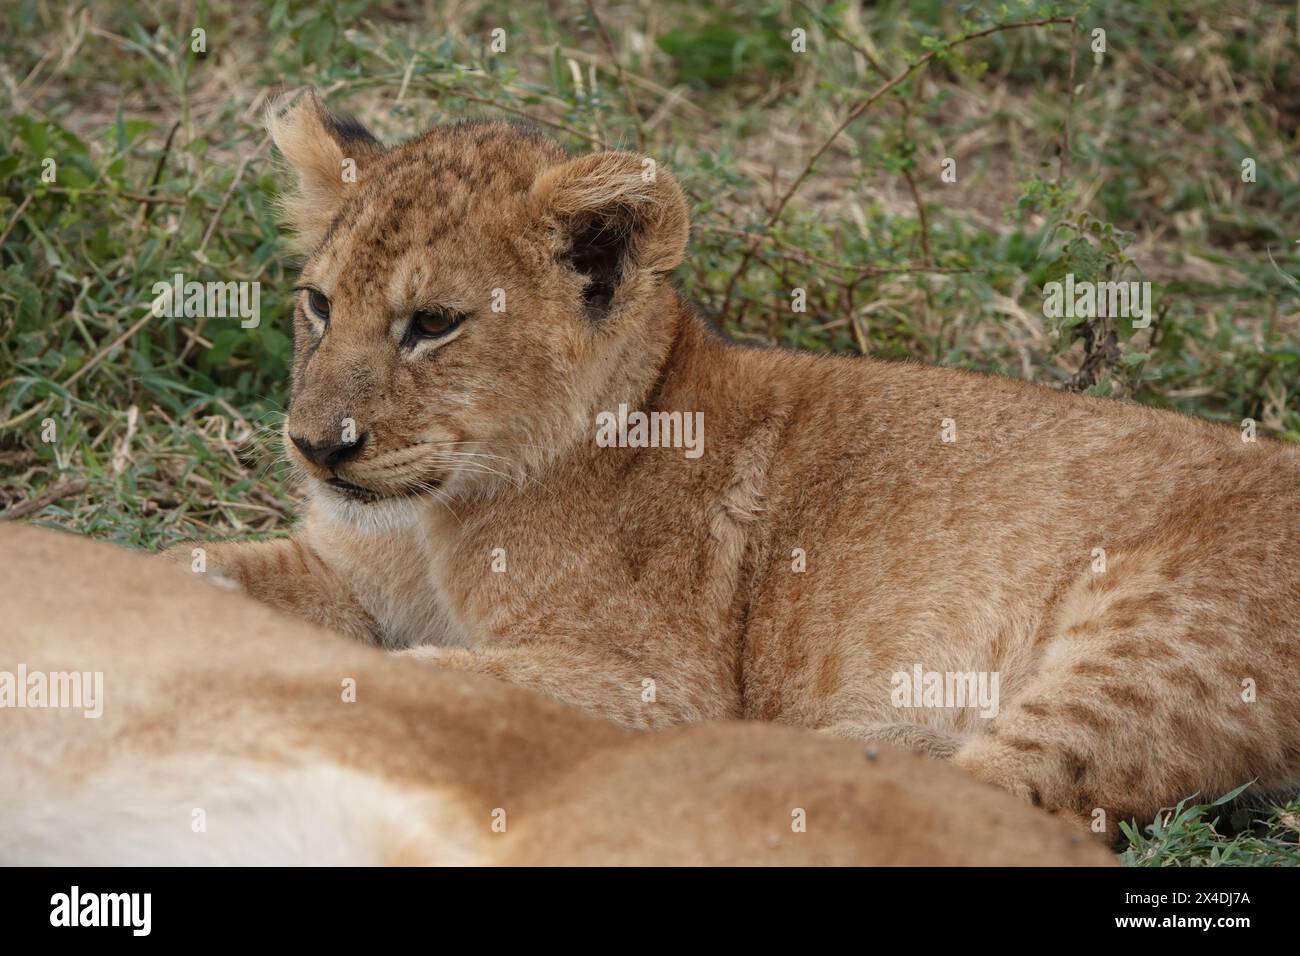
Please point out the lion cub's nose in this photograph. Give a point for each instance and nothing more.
(328, 454)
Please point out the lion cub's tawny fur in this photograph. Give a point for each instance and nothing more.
(298, 746)
(476, 298)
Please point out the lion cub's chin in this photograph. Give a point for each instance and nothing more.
(367, 517)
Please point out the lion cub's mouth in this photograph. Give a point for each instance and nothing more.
(353, 492)
(367, 495)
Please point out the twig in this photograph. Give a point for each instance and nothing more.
(63, 489)
(23, 416)
(406, 81)
(911, 185)
(872, 271)
(134, 197)
(622, 80)
(122, 454)
(143, 212)
(859, 275)
(470, 98)
(16, 457)
(866, 104)
(866, 54)
(225, 200)
(18, 214)
(108, 348)
(1069, 106)
(861, 108)
(648, 85)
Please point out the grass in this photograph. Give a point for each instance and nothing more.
(1193, 834)
(1126, 163)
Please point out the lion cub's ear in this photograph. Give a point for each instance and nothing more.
(618, 217)
(325, 154)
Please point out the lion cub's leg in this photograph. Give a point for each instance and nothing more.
(283, 573)
(927, 740)
(1158, 680)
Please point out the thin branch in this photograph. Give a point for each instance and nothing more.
(887, 87)
(225, 200)
(873, 271)
(858, 274)
(145, 205)
(911, 185)
(835, 32)
(116, 194)
(861, 108)
(485, 101)
(1069, 106)
(622, 80)
(64, 489)
(18, 214)
(104, 351)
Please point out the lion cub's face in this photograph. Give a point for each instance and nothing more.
(466, 296)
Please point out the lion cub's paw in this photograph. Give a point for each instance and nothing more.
(196, 557)
(427, 654)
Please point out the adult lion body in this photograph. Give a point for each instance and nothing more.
(229, 734)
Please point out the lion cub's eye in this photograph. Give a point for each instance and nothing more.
(319, 303)
(432, 324)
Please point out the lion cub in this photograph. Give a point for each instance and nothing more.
(524, 455)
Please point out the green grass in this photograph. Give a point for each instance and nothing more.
(164, 428)
(1193, 834)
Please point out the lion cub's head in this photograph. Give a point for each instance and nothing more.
(468, 298)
